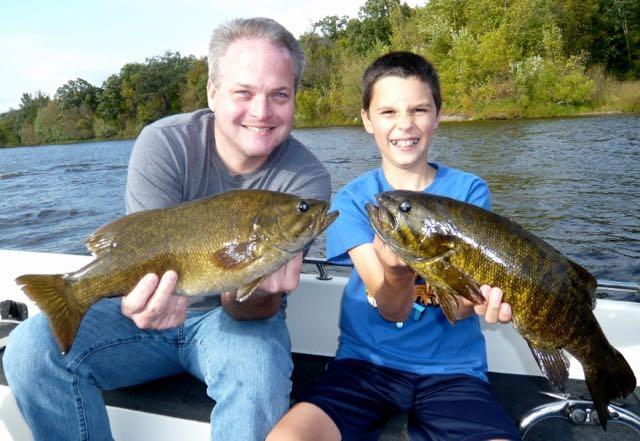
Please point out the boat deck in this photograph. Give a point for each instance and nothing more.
(178, 407)
(184, 397)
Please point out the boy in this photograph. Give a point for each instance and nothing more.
(397, 352)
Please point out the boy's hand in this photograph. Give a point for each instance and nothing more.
(391, 263)
(152, 304)
(492, 309)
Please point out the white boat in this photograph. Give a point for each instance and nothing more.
(177, 408)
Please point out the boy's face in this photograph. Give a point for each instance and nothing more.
(402, 117)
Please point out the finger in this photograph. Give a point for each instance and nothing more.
(493, 305)
(164, 320)
(136, 300)
(174, 315)
(158, 303)
(505, 313)
(291, 276)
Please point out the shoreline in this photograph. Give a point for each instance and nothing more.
(445, 118)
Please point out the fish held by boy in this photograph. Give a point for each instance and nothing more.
(222, 243)
(457, 246)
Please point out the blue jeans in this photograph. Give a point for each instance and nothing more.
(246, 366)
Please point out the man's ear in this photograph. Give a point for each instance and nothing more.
(366, 121)
(211, 92)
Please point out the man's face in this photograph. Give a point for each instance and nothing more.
(253, 101)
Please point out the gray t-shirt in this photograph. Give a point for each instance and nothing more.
(175, 160)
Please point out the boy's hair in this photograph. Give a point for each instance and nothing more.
(403, 65)
(258, 27)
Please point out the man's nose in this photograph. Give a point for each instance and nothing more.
(260, 107)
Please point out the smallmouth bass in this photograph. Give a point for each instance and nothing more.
(227, 242)
(456, 247)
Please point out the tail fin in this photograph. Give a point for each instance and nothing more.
(53, 296)
(610, 381)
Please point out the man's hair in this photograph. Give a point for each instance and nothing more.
(257, 27)
(403, 65)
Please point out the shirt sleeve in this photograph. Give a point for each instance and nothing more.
(478, 194)
(154, 179)
(350, 229)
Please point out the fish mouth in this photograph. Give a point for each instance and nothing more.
(381, 218)
(318, 223)
(328, 218)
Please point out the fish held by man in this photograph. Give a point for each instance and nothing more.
(227, 242)
(457, 246)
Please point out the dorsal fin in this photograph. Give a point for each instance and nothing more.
(106, 237)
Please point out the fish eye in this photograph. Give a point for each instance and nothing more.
(405, 206)
(303, 206)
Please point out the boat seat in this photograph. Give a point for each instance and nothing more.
(183, 396)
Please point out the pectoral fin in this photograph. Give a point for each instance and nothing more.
(234, 255)
(553, 363)
(446, 297)
(448, 281)
(245, 291)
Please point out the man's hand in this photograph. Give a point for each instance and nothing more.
(265, 300)
(152, 304)
(493, 309)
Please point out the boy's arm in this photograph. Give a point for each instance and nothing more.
(387, 278)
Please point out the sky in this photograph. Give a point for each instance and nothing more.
(46, 43)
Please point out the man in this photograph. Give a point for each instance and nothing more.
(240, 350)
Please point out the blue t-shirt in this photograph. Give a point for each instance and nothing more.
(430, 345)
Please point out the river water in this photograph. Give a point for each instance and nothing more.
(574, 182)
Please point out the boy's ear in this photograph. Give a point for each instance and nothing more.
(366, 121)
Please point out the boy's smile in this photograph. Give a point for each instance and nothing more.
(402, 117)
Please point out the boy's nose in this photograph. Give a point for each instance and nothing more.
(404, 121)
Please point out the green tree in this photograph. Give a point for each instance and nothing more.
(373, 25)
(8, 134)
(331, 27)
(76, 93)
(194, 92)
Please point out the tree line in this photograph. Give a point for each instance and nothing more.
(496, 59)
